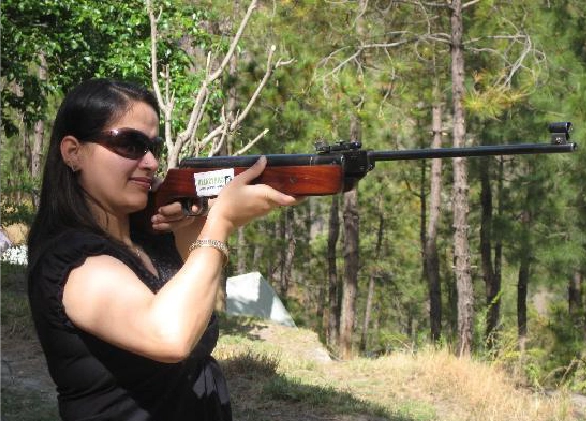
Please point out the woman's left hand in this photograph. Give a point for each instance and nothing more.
(172, 217)
(185, 228)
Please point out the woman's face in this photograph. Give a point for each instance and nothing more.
(120, 184)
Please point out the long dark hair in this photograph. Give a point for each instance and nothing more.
(85, 111)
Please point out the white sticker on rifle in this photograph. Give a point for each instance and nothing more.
(209, 183)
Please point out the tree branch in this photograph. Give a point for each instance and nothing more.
(242, 115)
(167, 100)
(201, 99)
(154, 60)
(251, 143)
(235, 41)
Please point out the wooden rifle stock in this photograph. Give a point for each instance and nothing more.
(333, 169)
(293, 180)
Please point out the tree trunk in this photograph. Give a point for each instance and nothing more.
(289, 250)
(575, 301)
(351, 257)
(307, 265)
(576, 307)
(257, 254)
(232, 100)
(16, 164)
(423, 209)
(283, 251)
(286, 232)
(351, 221)
(241, 252)
(272, 264)
(367, 312)
(2, 182)
(461, 245)
(498, 244)
(432, 269)
(38, 137)
(333, 314)
(491, 282)
(371, 281)
(523, 279)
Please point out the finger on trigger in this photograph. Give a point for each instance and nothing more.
(170, 209)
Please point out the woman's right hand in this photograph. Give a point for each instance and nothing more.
(240, 202)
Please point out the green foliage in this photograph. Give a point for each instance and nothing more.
(553, 352)
(563, 359)
(384, 342)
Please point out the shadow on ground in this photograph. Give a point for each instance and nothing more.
(242, 326)
(259, 393)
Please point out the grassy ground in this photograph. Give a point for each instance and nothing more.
(428, 386)
(279, 373)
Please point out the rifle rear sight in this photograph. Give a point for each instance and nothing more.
(321, 146)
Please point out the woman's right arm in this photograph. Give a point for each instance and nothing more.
(105, 298)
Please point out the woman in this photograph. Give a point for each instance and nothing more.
(126, 319)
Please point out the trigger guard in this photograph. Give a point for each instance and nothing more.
(202, 204)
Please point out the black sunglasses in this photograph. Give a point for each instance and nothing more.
(130, 143)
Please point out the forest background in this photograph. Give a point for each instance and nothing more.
(483, 256)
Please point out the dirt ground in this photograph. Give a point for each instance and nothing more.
(23, 365)
(24, 373)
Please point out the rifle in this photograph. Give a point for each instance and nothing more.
(331, 170)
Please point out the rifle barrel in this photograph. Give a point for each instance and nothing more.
(337, 158)
(524, 148)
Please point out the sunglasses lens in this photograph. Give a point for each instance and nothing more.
(133, 144)
(127, 144)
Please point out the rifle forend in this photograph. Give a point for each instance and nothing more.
(332, 169)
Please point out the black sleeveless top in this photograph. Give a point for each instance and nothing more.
(98, 381)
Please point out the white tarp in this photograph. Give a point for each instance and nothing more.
(251, 295)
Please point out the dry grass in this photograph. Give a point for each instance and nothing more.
(428, 385)
(458, 389)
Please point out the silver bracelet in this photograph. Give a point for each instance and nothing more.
(216, 244)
